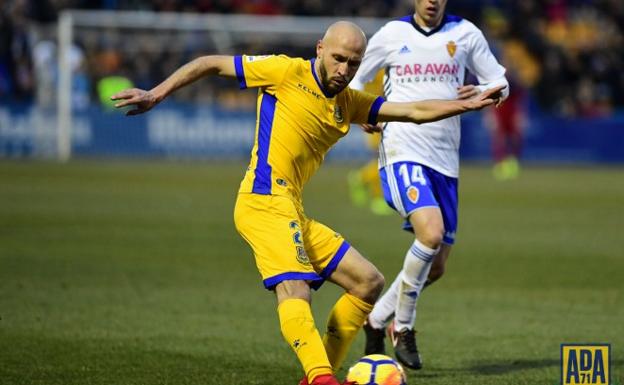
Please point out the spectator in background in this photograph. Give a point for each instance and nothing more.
(6, 60)
(16, 74)
(592, 101)
(45, 59)
(507, 122)
(364, 182)
(46, 68)
(577, 44)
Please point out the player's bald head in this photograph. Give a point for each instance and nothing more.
(345, 34)
(339, 55)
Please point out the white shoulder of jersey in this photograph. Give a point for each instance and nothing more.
(377, 50)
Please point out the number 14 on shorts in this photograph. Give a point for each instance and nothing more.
(412, 174)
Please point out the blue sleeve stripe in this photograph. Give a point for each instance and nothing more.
(273, 281)
(240, 72)
(262, 181)
(374, 110)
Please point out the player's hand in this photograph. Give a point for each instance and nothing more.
(467, 91)
(486, 98)
(141, 99)
(371, 128)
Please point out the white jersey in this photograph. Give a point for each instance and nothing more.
(422, 65)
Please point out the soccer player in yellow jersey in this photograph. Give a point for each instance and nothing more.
(304, 107)
(364, 182)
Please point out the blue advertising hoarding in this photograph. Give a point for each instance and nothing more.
(187, 131)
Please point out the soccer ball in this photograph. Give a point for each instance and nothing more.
(376, 369)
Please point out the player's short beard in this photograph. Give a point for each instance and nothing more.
(325, 78)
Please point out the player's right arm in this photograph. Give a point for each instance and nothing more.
(481, 62)
(432, 110)
(203, 66)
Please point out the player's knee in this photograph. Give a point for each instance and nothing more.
(431, 237)
(291, 289)
(377, 284)
(370, 286)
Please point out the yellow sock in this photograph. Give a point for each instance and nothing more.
(345, 320)
(301, 334)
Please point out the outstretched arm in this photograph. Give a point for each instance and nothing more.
(432, 110)
(188, 73)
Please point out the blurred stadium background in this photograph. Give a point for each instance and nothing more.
(122, 265)
(564, 59)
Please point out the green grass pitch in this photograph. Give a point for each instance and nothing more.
(132, 273)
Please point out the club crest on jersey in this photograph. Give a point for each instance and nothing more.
(338, 114)
(413, 194)
(451, 47)
(302, 256)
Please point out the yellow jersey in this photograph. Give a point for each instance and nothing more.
(297, 121)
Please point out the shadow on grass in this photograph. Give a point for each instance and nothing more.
(502, 367)
(490, 368)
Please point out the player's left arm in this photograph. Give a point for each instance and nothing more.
(483, 64)
(433, 110)
(145, 100)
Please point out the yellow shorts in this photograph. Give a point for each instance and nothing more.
(286, 244)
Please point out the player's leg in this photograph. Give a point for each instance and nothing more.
(299, 330)
(364, 183)
(439, 264)
(271, 226)
(335, 260)
(357, 187)
(428, 229)
(434, 230)
(363, 284)
(385, 307)
(515, 145)
(499, 144)
(406, 189)
(429, 200)
(378, 203)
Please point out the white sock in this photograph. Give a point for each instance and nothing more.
(416, 266)
(384, 308)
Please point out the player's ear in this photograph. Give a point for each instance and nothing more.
(319, 48)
